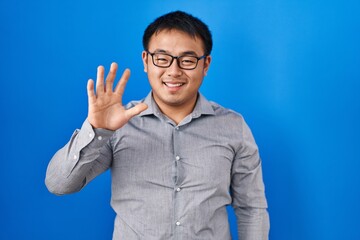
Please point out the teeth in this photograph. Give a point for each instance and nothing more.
(173, 84)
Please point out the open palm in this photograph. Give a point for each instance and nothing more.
(105, 105)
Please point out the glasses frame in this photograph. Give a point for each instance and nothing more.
(172, 60)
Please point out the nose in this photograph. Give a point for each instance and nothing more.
(174, 70)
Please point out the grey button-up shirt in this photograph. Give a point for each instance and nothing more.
(171, 181)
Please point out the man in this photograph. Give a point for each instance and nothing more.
(176, 159)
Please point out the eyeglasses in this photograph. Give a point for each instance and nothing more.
(164, 60)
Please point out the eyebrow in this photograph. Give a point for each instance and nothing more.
(181, 54)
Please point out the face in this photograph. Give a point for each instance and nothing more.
(173, 86)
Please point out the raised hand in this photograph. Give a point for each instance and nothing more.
(105, 106)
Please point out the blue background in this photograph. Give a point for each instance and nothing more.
(291, 67)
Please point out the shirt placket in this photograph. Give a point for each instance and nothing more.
(177, 221)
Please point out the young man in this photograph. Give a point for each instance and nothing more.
(176, 159)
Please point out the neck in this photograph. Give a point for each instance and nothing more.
(177, 112)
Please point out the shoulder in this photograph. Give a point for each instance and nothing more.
(226, 120)
(208, 107)
(227, 113)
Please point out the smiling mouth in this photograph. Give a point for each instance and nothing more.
(173, 85)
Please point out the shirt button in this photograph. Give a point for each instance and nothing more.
(178, 189)
(177, 158)
(99, 138)
(177, 223)
(90, 135)
(176, 128)
(75, 157)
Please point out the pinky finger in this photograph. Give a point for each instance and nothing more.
(90, 91)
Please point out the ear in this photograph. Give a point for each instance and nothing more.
(207, 64)
(145, 60)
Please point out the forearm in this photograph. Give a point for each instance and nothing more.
(79, 161)
(252, 223)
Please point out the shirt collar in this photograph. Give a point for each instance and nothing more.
(202, 107)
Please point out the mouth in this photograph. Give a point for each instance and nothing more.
(173, 85)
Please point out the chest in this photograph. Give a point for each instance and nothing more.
(167, 155)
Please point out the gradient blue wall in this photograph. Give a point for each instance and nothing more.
(291, 67)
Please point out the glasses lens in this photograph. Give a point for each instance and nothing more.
(188, 62)
(162, 60)
(165, 60)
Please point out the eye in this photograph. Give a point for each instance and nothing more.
(161, 59)
(187, 60)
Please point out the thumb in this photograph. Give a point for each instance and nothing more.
(136, 110)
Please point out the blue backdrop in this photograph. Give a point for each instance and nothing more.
(291, 67)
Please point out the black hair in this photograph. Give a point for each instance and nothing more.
(181, 21)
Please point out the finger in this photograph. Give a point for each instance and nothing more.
(120, 87)
(100, 80)
(90, 91)
(135, 110)
(110, 77)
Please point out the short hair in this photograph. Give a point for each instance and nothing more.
(181, 21)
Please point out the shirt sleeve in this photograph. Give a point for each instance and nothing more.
(86, 155)
(248, 190)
